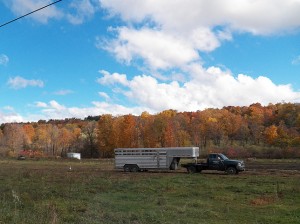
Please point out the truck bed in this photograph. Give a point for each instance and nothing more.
(195, 167)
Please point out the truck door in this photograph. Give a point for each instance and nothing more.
(221, 162)
(215, 162)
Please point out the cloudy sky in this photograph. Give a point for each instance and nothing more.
(89, 57)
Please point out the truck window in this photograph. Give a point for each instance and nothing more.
(223, 157)
(212, 156)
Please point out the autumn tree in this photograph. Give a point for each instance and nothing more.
(1, 136)
(256, 122)
(52, 138)
(270, 134)
(276, 125)
(288, 114)
(2, 147)
(145, 124)
(45, 139)
(243, 134)
(64, 141)
(283, 138)
(183, 138)
(231, 124)
(77, 139)
(158, 129)
(169, 137)
(89, 132)
(195, 128)
(106, 139)
(13, 135)
(165, 128)
(208, 127)
(128, 132)
(29, 134)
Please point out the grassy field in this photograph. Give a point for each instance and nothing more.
(92, 192)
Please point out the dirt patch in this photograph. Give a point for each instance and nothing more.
(273, 166)
(263, 200)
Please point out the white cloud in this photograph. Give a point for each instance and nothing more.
(19, 82)
(169, 38)
(116, 109)
(114, 78)
(158, 49)
(83, 9)
(4, 59)
(8, 108)
(77, 12)
(296, 60)
(10, 117)
(258, 17)
(63, 92)
(164, 37)
(41, 104)
(22, 7)
(104, 95)
(56, 106)
(221, 89)
(55, 110)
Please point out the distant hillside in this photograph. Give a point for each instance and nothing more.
(253, 131)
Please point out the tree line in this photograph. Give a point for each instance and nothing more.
(252, 131)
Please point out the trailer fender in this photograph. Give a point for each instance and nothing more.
(131, 168)
(174, 164)
(134, 168)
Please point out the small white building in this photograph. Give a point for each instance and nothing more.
(73, 155)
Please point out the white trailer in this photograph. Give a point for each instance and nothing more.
(139, 159)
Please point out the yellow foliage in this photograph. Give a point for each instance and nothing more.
(212, 119)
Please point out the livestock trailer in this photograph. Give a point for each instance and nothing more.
(139, 159)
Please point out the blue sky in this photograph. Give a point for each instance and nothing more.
(91, 57)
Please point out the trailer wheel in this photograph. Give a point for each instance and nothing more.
(231, 170)
(134, 168)
(191, 169)
(126, 168)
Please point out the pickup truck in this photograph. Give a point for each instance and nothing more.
(216, 161)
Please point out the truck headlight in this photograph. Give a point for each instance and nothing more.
(239, 164)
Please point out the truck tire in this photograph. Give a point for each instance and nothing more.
(231, 170)
(191, 169)
(126, 168)
(134, 168)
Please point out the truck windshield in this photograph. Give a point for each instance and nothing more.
(223, 157)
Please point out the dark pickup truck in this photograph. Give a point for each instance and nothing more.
(216, 161)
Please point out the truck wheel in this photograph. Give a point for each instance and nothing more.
(134, 168)
(126, 168)
(231, 170)
(191, 169)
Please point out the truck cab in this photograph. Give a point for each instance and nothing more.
(217, 161)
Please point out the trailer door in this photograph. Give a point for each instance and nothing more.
(161, 159)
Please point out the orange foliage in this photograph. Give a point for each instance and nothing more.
(273, 128)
